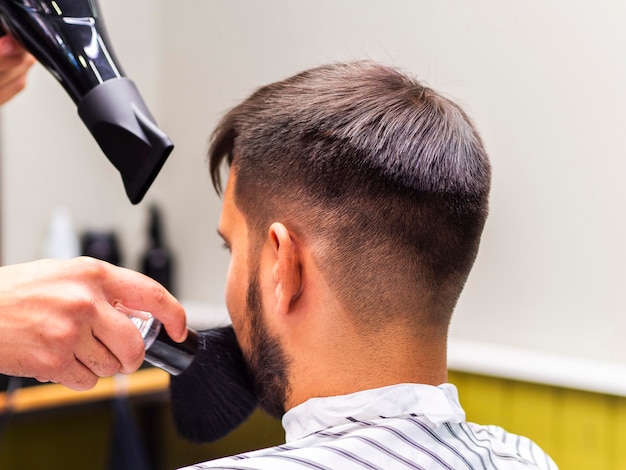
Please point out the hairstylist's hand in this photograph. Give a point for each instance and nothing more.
(58, 322)
(14, 65)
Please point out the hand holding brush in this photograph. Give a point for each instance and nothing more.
(211, 390)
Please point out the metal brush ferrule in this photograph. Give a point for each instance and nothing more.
(161, 350)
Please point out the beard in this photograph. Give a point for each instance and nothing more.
(266, 360)
(223, 385)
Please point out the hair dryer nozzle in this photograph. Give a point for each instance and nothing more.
(121, 123)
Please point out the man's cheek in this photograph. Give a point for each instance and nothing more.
(233, 305)
(236, 309)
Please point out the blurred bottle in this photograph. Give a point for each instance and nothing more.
(103, 245)
(157, 261)
(62, 241)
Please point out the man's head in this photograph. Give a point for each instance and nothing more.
(385, 181)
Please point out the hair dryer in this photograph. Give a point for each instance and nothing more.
(68, 37)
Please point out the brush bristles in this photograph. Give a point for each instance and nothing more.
(214, 395)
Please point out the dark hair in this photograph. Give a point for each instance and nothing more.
(387, 178)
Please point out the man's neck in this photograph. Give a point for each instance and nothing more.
(334, 365)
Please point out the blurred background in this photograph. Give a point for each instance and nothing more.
(537, 339)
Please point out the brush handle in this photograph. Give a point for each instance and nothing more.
(171, 356)
(161, 350)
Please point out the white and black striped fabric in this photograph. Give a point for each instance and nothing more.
(406, 426)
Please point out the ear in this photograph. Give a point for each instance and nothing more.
(287, 270)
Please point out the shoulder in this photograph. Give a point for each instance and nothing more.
(390, 443)
(502, 448)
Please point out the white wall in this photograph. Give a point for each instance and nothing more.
(543, 80)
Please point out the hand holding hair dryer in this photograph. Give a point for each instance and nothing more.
(68, 37)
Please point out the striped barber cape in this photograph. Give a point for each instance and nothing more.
(397, 427)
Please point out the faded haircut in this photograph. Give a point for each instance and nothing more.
(386, 178)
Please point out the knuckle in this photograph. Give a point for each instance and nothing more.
(109, 369)
(79, 301)
(64, 369)
(81, 382)
(136, 351)
(64, 335)
(160, 293)
(56, 365)
(132, 356)
(91, 268)
(84, 303)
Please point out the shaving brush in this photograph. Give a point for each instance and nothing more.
(210, 388)
(214, 395)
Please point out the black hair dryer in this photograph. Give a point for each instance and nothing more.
(68, 37)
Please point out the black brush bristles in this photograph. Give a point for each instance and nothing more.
(215, 394)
